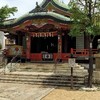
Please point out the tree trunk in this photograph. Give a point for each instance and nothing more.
(90, 70)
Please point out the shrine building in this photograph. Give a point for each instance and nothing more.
(43, 34)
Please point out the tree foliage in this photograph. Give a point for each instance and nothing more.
(5, 12)
(85, 17)
(86, 20)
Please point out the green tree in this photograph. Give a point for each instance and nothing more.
(86, 20)
(5, 13)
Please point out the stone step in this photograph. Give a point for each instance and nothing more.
(53, 70)
(47, 67)
(45, 84)
(45, 74)
(59, 68)
(44, 65)
(34, 82)
(48, 70)
(54, 76)
(42, 79)
(49, 79)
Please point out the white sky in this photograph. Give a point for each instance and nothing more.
(23, 6)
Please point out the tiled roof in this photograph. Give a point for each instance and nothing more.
(52, 15)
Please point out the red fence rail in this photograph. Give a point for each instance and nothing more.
(82, 52)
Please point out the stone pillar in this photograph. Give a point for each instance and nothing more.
(59, 47)
(65, 47)
(28, 41)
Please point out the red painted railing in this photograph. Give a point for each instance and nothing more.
(82, 52)
(63, 56)
(36, 57)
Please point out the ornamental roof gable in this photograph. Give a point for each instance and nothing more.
(48, 9)
(52, 5)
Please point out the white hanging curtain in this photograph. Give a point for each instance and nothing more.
(44, 34)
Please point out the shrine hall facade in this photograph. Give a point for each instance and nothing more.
(43, 33)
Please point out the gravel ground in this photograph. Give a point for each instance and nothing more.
(63, 94)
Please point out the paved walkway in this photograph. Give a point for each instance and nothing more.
(64, 94)
(10, 91)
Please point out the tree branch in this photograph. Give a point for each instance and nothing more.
(95, 2)
(81, 3)
(86, 5)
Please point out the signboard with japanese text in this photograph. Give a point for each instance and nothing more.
(71, 62)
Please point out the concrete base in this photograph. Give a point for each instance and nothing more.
(89, 89)
(97, 61)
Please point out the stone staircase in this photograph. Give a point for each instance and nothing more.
(60, 68)
(45, 74)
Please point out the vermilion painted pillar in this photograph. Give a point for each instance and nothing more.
(28, 41)
(59, 47)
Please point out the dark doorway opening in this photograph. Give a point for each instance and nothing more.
(95, 41)
(44, 44)
(68, 42)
